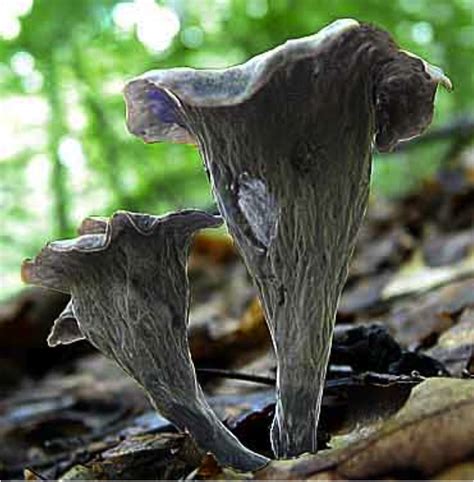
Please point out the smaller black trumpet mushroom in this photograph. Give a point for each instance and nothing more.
(129, 297)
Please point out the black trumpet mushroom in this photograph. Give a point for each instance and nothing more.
(129, 297)
(287, 141)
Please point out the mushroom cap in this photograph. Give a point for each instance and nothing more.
(128, 285)
(153, 98)
(403, 99)
(96, 236)
(60, 262)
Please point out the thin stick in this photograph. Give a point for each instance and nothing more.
(246, 377)
(367, 378)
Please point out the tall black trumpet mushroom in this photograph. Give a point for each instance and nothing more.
(127, 277)
(287, 139)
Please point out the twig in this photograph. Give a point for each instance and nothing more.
(367, 378)
(246, 377)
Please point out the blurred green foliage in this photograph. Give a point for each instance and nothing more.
(64, 150)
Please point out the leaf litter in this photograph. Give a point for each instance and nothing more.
(399, 397)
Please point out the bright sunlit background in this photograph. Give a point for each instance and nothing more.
(64, 150)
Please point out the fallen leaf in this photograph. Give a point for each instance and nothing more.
(415, 321)
(445, 249)
(215, 247)
(416, 277)
(432, 431)
(462, 471)
(455, 347)
(364, 296)
(221, 341)
(380, 252)
(211, 470)
(408, 442)
(156, 456)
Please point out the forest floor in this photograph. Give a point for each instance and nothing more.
(399, 399)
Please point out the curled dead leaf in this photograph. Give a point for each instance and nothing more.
(408, 442)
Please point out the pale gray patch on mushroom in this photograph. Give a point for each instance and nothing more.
(85, 243)
(302, 120)
(258, 207)
(65, 328)
(130, 297)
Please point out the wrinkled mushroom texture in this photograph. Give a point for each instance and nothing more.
(287, 140)
(127, 277)
(129, 288)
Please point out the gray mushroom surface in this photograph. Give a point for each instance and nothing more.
(130, 299)
(287, 140)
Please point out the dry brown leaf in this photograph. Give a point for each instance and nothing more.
(212, 247)
(455, 347)
(363, 296)
(462, 471)
(434, 430)
(153, 456)
(416, 277)
(445, 249)
(409, 441)
(430, 314)
(229, 341)
(211, 470)
(380, 251)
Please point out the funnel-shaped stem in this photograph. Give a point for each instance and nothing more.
(287, 139)
(130, 299)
